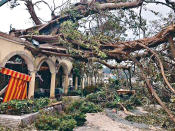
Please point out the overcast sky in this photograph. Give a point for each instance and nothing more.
(19, 17)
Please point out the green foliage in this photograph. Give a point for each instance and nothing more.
(46, 122)
(76, 109)
(105, 97)
(89, 107)
(113, 83)
(80, 118)
(81, 106)
(42, 102)
(75, 93)
(67, 125)
(61, 122)
(90, 89)
(155, 117)
(97, 97)
(19, 107)
(72, 117)
(69, 29)
(72, 106)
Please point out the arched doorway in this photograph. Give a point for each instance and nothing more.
(16, 63)
(43, 80)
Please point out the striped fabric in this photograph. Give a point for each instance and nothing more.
(17, 86)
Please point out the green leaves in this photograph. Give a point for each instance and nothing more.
(46, 122)
(19, 107)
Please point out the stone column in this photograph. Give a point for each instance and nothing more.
(88, 81)
(76, 83)
(82, 83)
(32, 85)
(66, 83)
(52, 85)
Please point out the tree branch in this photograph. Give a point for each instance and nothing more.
(161, 67)
(32, 13)
(152, 91)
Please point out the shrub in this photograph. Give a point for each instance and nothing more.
(75, 93)
(80, 118)
(97, 97)
(89, 107)
(70, 105)
(90, 89)
(113, 83)
(41, 103)
(67, 125)
(19, 107)
(14, 107)
(46, 122)
(82, 106)
(111, 104)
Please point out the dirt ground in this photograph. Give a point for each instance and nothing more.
(111, 121)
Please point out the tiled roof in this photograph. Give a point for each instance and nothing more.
(12, 38)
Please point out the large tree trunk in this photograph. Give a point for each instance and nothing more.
(32, 13)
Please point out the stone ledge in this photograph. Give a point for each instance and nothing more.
(14, 121)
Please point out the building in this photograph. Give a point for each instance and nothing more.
(39, 60)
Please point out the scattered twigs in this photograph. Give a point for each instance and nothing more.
(161, 66)
(152, 91)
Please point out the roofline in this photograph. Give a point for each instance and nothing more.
(11, 38)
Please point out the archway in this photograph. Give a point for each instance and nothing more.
(62, 79)
(16, 63)
(43, 80)
(27, 58)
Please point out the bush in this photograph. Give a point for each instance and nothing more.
(97, 97)
(67, 125)
(19, 107)
(113, 83)
(41, 103)
(112, 104)
(104, 97)
(90, 89)
(89, 107)
(75, 93)
(70, 105)
(45, 122)
(82, 106)
(66, 122)
(80, 118)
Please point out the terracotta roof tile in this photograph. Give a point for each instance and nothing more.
(16, 39)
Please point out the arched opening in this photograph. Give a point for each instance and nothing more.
(16, 63)
(43, 80)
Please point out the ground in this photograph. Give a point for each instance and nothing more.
(111, 121)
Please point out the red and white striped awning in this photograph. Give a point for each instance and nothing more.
(17, 86)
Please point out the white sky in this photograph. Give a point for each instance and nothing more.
(19, 17)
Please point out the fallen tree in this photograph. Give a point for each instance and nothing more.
(62, 31)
